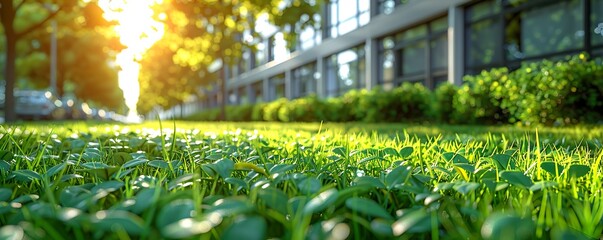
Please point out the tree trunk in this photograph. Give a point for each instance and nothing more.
(7, 17)
(9, 77)
(222, 98)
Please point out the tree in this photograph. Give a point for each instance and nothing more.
(210, 31)
(163, 83)
(9, 11)
(85, 47)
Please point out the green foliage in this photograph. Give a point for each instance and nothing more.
(207, 115)
(409, 102)
(543, 93)
(257, 112)
(289, 181)
(271, 110)
(564, 92)
(538, 93)
(443, 104)
(239, 113)
(307, 109)
(478, 100)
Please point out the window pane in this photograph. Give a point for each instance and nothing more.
(543, 30)
(346, 77)
(364, 18)
(596, 18)
(439, 52)
(388, 43)
(260, 55)
(347, 26)
(333, 17)
(331, 78)
(243, 97)
(483, 43)
(347, 9)
(387, 6)
(482, 9)
(258, 92)
(388, 69)
(277, 87)
(364, 6)
(361, 73)
(413, 33)
(413, 59)
(303, 80)
(439, 25)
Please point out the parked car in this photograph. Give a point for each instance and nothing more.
(34, 104)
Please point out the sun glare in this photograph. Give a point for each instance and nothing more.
(138, 31)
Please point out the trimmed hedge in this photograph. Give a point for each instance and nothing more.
(560, 93)
(539, 93)
(476, 101)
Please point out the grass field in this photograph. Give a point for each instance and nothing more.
(179, 180)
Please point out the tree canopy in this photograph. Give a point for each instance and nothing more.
(203, 32)
(85, 48)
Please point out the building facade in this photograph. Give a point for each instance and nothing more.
(367, 43)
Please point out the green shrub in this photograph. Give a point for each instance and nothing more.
(239, 113)
(351, 109)
(257, 112)
(478, 100)
(270, 111)
(443, 99)
(306, 109)
(335, 110)
(410, 103)
(564, 92)
(206, 115)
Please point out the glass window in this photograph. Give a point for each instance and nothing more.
(278, 47)
(331, 79)
(404, 56)
(413, 33)
(245, 64)
(309, 37)
(481, 10)
(483, 43)
(439, 52)
(345, 16)
(277, 87)
(232, 97)
(413, 58)
(260, 54)
(304, 80)
(243, 96)
(439, 25)
(258, 91)
(387, 58)
(347, 11)
(596, 19)
(345, 71)
(388, 6)
(544, 29)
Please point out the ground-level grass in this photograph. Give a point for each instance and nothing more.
(176, 180)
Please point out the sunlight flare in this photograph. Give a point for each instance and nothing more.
(138, 31)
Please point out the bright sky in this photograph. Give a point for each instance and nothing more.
(138, 31)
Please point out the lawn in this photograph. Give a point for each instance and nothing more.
(182, 180)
